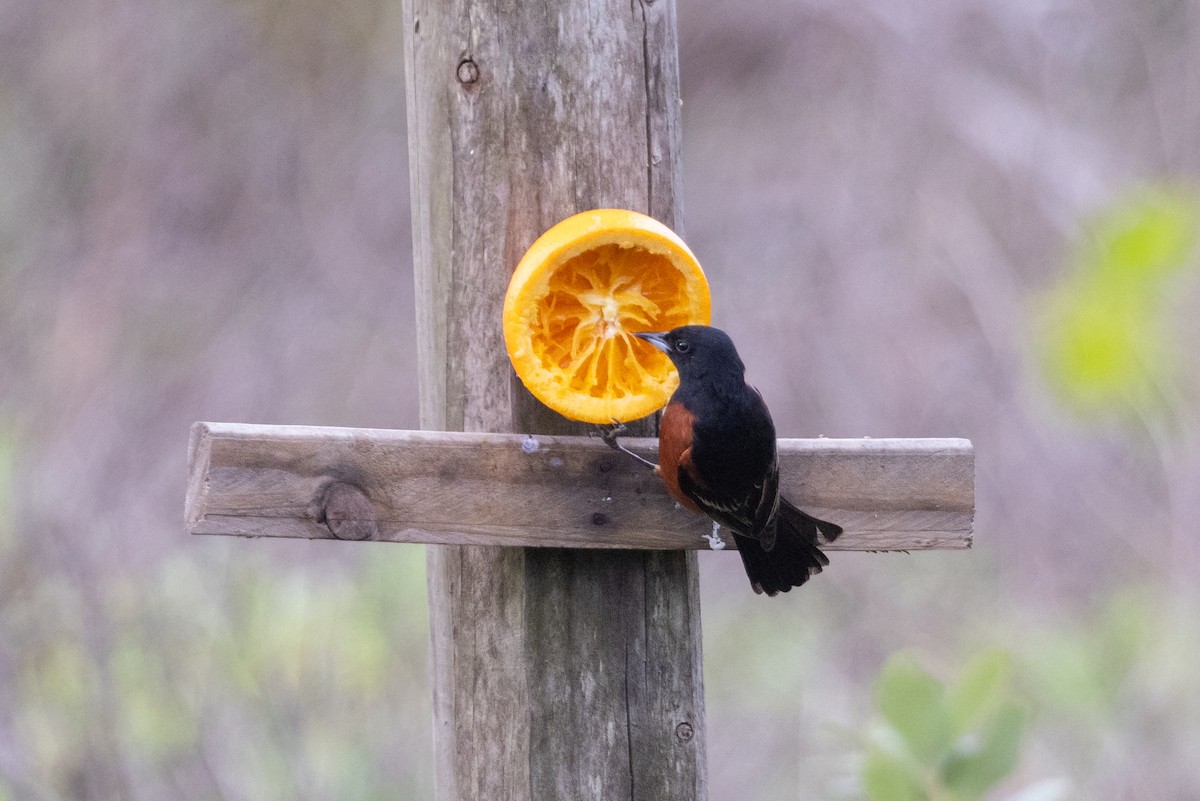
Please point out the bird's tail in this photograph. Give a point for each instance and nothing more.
(795, 555)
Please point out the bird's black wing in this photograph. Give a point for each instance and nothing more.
(793, 555)
(766, 513)
(720, 484)
(735, 513)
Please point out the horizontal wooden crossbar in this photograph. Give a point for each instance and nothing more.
(573, 492)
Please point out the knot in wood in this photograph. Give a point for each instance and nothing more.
(348, 512)
(467, 72)
(684, 732)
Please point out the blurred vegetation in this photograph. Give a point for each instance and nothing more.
(975, 219)
(266, 684)
(1093, 687)
(942, 743)
(1110, 333)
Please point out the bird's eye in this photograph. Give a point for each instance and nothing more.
(682, 346)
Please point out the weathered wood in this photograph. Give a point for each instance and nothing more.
(558, 673)
(549, 491)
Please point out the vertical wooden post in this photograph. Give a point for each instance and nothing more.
(557, 674)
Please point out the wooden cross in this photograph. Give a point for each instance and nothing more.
(562, 579)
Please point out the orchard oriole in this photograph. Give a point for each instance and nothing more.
(716, 452)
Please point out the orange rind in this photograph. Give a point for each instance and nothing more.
(575, 301)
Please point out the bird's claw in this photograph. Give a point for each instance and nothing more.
(610, 433)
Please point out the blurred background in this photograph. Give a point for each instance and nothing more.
(943, 218)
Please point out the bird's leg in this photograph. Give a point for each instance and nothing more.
(609, 435)
(714, 540)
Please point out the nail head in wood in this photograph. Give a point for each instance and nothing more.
(468, 72)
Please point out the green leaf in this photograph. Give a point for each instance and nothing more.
(1065, 668)
(914, 704)
(1103, 348)
(980, 690)
(1122, 636)
(979, 765)
(886, 778)
(1107, 333)
(1145, 238)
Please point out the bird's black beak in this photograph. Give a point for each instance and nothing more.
(657, 340)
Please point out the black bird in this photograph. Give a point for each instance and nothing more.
(716, 454)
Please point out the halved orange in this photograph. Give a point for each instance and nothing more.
(578, 296)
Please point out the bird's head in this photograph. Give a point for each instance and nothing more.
(697, 350)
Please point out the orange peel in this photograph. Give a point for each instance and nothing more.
(578, 296)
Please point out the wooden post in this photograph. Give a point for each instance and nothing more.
(562, 685)
(557, 673)
(569, 638)
(546, 493)
(569, 670)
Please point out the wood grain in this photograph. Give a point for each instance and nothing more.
(550, 491)
(521, 114)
